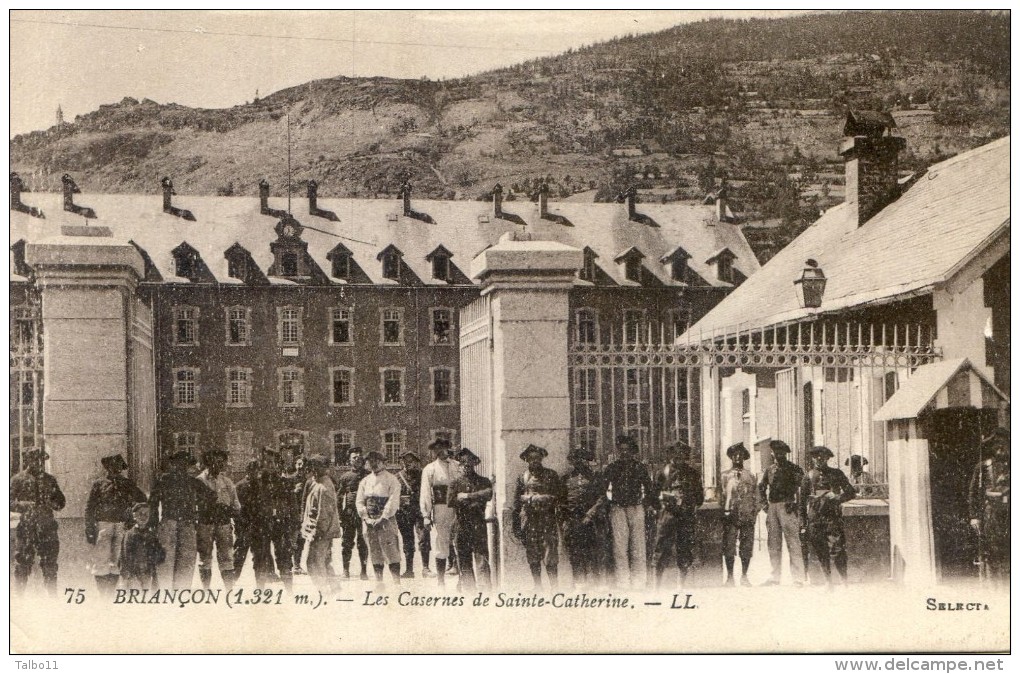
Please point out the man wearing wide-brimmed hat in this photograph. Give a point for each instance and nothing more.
(680, 495)
(174, 511)
(537, 501)
(215, 515)
(629, 490)
(107, 518)
(740, 510)
(779, 492)
(409, 520)
(989, 505)
(377, 500)
(469, 495)
(35, 494)
(823, 493)
(435, 511)
(586, 518)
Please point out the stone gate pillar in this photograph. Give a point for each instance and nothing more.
(526, 286)
(87, 286)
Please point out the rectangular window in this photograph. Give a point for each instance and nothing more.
(448, 434)
(239, 380)
(342, 443)
(442, 326)
(343, 386)
(636, 404)
(678, 323)
(391, 267)
(239, 449)
(441, 268)
(289, 325)
(291, 387)
(291, 444)
(391, 327)
(587, 419)
(187, 442)
(587, 327)
(238, 326)
(342, 266)
(341, 326)
(442, 386)
(392, 384)
(633, 326)
(186, 387)
(185, 326)
(393, 442)
(23, 334)
(839, 375)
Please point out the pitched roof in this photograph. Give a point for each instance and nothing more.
(925, 383)
(913, 244)
(367, 226)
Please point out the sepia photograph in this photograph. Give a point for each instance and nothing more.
(501, 332)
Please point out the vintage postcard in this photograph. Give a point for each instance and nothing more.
(510, 332)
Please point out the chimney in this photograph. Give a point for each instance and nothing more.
(872, 169)
(264, 197)
(720, 203)
(168, 192)
(17, 186)
(313, 196)
(543, 200)
(630, 197)
(405, 195)
(70, 189)
(497, 201)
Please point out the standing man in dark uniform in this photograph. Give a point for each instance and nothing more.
(537, 500)
(346, 496)
(107, 518)
(409, 519)
(468, 495)
(276, 515)
(779, 492)
(989, 507)
(247, 524)
(34, 495)
(174, 503)
(629, 490)
(300, 481)
(680, 495)
(823, 493)
(740, 510)
(585, 521)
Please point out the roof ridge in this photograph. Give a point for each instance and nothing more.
(969, 154)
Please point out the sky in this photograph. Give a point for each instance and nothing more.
(214, 59)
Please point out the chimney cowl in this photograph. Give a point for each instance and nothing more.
(497, 200)
(405, 196)
(543, 200)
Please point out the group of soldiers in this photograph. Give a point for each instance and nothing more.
(608, 519)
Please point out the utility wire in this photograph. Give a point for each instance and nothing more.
(202, 31)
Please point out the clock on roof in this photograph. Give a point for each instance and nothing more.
(288, 228)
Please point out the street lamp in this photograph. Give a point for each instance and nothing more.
(811, 285)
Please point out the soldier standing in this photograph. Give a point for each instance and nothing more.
(276, 513)
(214, 520)
(320, 521)
(680, 494)
(409, 519)
(34, 496)
(740, 510)
(824, 490)
(537, 501)
(301, 482)
(107, 512)
(989, 506)
(468, 495)
(435, 511)
(346, 494)
(174, 511)
(629, 490)
(779, 491)
(378, 500)
(584, 524)
(142, 552)
(247, 524)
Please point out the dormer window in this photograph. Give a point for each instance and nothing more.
(723, 261)
(186, 262)
(440, 259)
(237, 267)
(390, 258)
(340, 257)
(676, 261)
(289, 264)
(588, 268)
(631, 260)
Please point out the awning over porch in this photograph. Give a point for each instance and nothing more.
(949, 383)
